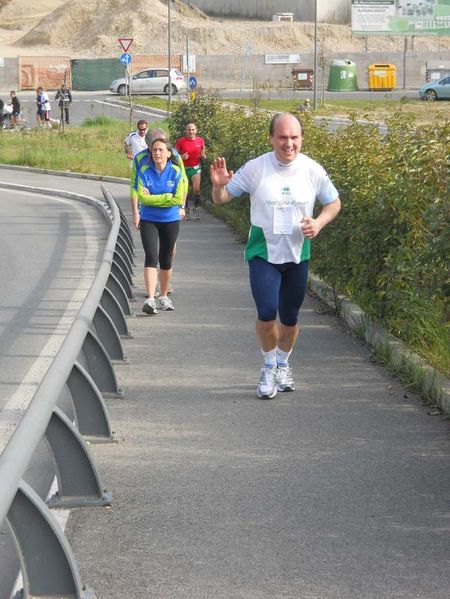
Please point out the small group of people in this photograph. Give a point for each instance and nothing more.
(161, 179)
(43, 114)
(158, 197)
(283, 186)
(192, 150)
(10, 113)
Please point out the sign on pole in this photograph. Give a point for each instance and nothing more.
(125, 58)
(192, 82)
(125, 42)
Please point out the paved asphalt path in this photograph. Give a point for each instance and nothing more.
(338, 490)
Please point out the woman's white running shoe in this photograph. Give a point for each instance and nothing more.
(165, 303)
(149, 306)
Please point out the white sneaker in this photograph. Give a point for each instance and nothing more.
(267, 388)
(285, 379)
(149, 306)
(165, 303)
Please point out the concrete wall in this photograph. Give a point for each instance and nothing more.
(233, 71)
(9, 75)
(328, 11)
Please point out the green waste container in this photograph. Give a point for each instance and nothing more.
(342, 77)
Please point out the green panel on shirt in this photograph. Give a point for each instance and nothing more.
(306, 250)
(256, 244)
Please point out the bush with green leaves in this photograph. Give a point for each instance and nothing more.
(388, 249)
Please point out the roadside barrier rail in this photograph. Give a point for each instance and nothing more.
(83, 370)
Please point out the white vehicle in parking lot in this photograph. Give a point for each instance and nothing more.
(150, 81)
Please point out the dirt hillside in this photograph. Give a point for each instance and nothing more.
(88, 28)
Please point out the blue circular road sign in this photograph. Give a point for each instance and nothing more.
(125, 58)
(192, 82)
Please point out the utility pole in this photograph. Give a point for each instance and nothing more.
(315, 56)
(187, 63)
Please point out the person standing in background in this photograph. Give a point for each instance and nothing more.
(15, 106)
(64, 98)
(39, 111)
(43, 102)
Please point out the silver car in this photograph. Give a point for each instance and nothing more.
(150, 81)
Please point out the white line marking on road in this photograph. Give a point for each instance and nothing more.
(147, 111)
(12, 412)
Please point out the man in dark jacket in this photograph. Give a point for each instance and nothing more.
(65, 99)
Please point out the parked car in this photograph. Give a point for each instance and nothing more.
(436, 90)
(150, 81)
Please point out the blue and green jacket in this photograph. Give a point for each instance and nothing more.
(166, 189)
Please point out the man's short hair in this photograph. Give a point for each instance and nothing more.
(153, 134)
(278, 116)
(141, 122)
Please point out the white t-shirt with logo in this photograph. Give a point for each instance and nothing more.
(281, 196)
(136, 141)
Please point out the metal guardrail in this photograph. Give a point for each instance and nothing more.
(83, 369)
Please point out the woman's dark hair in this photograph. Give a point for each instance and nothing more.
(174, 159)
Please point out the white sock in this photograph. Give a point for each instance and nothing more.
(282, 357)
(270, 358)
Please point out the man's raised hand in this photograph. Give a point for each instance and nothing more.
(220, 176)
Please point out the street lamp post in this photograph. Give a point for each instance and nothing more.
(315, 56)
(169, 51)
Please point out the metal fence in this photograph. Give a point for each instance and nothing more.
(83, 370)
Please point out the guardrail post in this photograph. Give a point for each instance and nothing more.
(91, 415)
(48, 564)
(78, 482)
(123, 251)
(125, 240)
(124, 266)
(124, 229)
(115, 287)
(112, 307)
(108, 334)
(117, 271)
(99, 365)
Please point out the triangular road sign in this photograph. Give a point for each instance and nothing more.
(125, 42)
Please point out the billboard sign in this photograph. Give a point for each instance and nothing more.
(401, 17)
(282, 58)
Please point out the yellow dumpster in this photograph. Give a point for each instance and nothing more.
(382, 76)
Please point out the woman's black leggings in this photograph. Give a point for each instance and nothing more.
(164, 235)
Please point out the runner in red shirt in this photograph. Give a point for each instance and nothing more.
(192, 151)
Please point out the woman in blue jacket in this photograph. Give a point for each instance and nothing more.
(157, 199)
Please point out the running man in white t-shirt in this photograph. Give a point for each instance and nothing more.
(283, 187)
(135, 142)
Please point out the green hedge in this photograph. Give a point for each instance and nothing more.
(389, 248)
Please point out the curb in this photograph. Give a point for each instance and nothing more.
(45, 171)
(432, 385)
